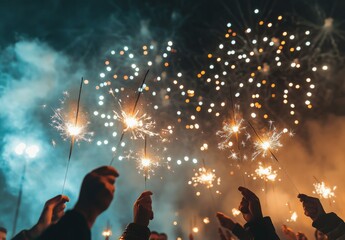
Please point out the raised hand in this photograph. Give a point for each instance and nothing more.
(250, 205)
(142, 209)
(53, 210)
(312, 206)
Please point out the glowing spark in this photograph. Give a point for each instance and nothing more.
(324, 191)
(147, 166)
(227, 133)
(107, 233)
(266, 173)
(206, 220)
(139, 125)
(269, 142)
(205, 177)
(235, 212)
(63, 121)
(293, 217)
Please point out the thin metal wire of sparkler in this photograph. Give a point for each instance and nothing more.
(73, 137)
(133, 111)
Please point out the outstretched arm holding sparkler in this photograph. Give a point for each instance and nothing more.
(328, 223)
(52, 212)
(257, 226)
(142, 214)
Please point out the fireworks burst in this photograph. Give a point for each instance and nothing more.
(324, 191)
(268, 67)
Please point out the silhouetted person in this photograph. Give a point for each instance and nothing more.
(96, 194)
(257, 226)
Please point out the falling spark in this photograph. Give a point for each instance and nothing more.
(324, 191)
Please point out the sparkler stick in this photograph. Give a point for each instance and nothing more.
(73, 135)
(273, 155)
(133, 111)
(146, 170)
(19, 201)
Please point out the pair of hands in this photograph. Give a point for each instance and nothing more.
(97, 192)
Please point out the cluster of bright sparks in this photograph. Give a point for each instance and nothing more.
(324, 191)
(140, 125)
(206, 177)
(266, 173)
(63, 120)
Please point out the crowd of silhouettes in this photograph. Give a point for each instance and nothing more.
(97, 192)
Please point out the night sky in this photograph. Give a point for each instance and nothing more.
(47, 46)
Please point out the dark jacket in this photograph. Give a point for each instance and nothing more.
(331, 225)
(262, 229)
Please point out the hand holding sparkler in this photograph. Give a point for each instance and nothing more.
(250, 205)
(312, 206)
(52, 212)
(96, 193)
(142, 210)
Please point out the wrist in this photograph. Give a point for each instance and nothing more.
(35, 231)
(87, 212)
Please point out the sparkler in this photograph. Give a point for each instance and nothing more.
(268, 143)
(138, 125)
(205, 177)
(266, 173)
(324, 191)
(129, 120)
(70, 129)
(293, 214)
